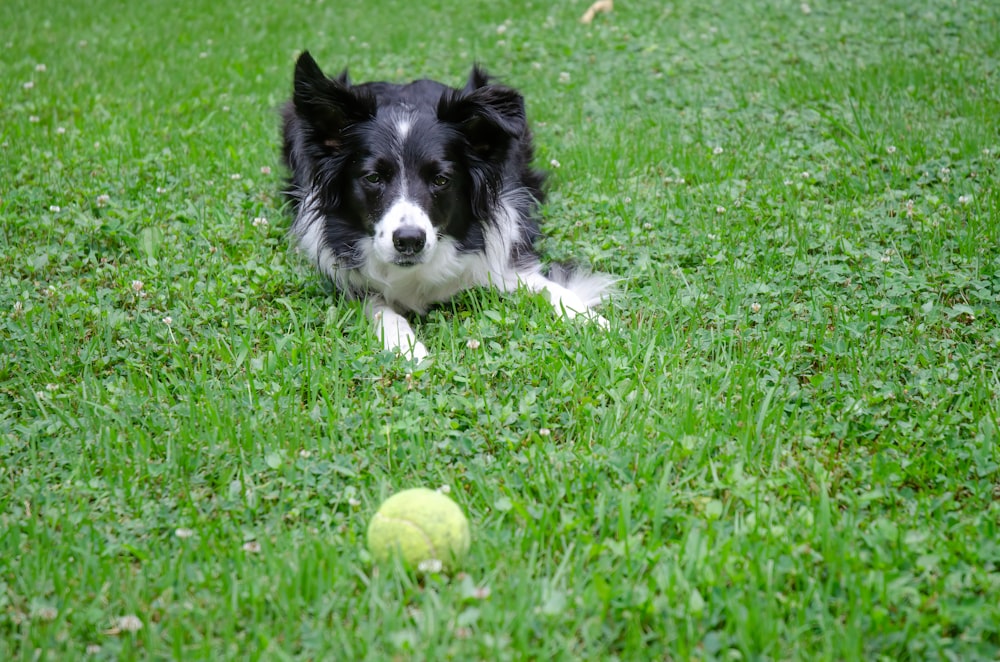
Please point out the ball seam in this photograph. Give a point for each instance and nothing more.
(423, 534)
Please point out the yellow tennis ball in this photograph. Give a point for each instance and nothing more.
(422, 527)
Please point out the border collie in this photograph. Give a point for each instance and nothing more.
(405, 195)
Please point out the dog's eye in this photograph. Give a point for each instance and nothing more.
(373, 178)
(440, 181)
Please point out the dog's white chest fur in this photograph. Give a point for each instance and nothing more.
(415, 288)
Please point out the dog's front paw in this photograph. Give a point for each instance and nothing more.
(408, 348)
(415, 352)
(571, 308)
(598, 319)
(397, 336)
(592, 316)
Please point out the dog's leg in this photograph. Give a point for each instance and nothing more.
(394, 331)
(572, 299)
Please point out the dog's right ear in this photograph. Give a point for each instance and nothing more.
(328, 105)
(478, 77)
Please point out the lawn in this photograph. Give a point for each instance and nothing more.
(785, 447)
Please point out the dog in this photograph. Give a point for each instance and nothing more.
(405, 195)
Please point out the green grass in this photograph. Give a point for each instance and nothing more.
(785, 448)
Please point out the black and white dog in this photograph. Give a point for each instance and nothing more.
(408, 194)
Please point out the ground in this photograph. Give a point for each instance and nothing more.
(785, 446)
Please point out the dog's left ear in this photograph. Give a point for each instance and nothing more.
(490, 117)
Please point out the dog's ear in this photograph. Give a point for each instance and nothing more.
(328, 105)
(477, 78)
(344, 79)
(490, 117)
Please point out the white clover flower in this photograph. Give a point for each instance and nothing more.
(563, 77)
(128, 623)
(472, 343)
(891, 149)
(103, 199)
(55, 209)
(964, 199)
(260, 222)
(46, 613)
(555, 164)
(251, 547)
(265, 170)
(718, 150)
(30, 84)
(754, 307)
(432, 566)
(40, 67)
(137, 285)
(720, 210)
(183, 532)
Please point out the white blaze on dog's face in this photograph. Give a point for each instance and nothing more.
(408, 197)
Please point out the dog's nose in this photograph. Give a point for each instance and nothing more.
(408, 240)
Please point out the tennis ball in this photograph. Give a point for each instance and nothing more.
(421, 527)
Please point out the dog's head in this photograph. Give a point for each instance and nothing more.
(402, 166)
